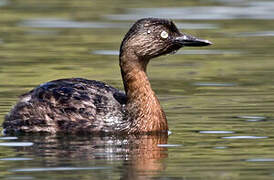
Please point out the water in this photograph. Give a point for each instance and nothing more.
(219, 99)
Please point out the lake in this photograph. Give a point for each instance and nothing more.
(218, 99)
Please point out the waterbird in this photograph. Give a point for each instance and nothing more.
(78, 105)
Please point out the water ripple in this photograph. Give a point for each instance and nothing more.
(8, 138)
(216, 132)
(245, 137)
(16, 144)
(220, 147)
(249, 11)
(21, 177)
(213, 84)
(65, 23)
(256, 34)
(4, 2)
(105, 52)
(57, 169)
(169, 145)
(15, 159)
(252, 118)
(261, 160)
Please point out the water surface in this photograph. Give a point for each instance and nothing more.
(218, 99)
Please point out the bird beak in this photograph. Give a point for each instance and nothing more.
(188, 40)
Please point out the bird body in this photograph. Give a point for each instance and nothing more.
(86, 106)
(69, 105)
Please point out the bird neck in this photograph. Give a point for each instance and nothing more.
(142, 104)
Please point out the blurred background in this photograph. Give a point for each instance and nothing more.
(218, 99)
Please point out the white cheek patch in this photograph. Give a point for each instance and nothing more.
(164, 34)
(148, 31)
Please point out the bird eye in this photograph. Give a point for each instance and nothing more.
(164, 34)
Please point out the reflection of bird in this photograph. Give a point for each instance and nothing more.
(132, 157)
(80, 105)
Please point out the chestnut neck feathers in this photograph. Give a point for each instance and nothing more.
(141, 44)
(142, 104)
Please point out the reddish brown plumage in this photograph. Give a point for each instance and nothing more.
(142, 103)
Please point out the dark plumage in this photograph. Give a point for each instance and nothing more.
(76, 105)
(87, 106)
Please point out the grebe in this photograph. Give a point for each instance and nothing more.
(86, 106)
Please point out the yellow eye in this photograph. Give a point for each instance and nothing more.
(164, 34)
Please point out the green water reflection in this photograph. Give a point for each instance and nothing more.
(210, 95)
